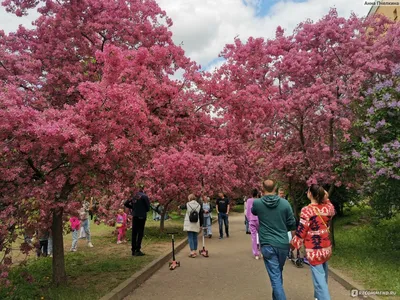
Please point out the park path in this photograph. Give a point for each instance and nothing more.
(229, 273)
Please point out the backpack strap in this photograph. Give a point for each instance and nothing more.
(316, 210)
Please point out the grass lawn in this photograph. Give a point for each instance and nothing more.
(367, 252)
(92, 272)
(239, 208)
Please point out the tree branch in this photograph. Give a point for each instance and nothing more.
(89, 39)
(39, 174)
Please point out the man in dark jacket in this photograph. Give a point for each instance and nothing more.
(140, 205)
(276, 218)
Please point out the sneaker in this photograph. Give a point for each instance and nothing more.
(90, 245)
(257, 257)
(73, 250)
(227, 235)
(221, 237)
(119, 242)
(210, 236)
(139, 253)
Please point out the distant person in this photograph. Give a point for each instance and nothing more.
(253, 224)
(121, 226)
(281, 193)
(192, 223)
(85, 223)
(140, 205)
(207, 209)
(313, 231)
(276, 218)
(246, 221)
(222, 207)
(43, 239)
(75, 224)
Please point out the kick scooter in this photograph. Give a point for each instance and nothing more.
(174, 263)
(203, 251)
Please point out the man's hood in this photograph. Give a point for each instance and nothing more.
(271, 200)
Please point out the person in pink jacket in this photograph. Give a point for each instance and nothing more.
(75, 226)
(121, 226)
(253, 224)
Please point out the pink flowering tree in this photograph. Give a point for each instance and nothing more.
(177, 172)
(294, 95)
(85, 97)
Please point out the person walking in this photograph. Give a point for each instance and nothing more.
(246, 221)
(192, 223)
(313, 231)
(223, 212)
(207, 209)
(85, 224)
(140, 205)
(275, 218)
(253, 224)
(75, 226)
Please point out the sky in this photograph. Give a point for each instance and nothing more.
(203, 27)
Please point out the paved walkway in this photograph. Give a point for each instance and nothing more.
(229, 273)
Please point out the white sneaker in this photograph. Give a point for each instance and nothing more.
(119, 242)
(90, 245)
(72, 250)
(257, 257)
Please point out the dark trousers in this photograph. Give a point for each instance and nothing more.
(42, 250)
(137, 233)
(223, 218)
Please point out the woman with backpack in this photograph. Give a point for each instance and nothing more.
(192, 223)
(313, 231)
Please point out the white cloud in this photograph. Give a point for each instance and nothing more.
(205, 26)
(220, 21)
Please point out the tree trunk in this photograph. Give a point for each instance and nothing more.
(59, 274)
(162, 221)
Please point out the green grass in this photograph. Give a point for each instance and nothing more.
(238, 208)
(92, 272)
(367, 251)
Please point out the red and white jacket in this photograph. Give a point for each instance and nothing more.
(313, 232)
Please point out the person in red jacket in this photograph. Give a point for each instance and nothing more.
(313, 231)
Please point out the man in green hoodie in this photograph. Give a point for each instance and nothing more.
(276, 218)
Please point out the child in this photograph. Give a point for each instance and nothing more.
(43, 236)
(121, 226)
(75, 225)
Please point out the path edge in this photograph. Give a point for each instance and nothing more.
(133, 282)
(348, 283)
(129, 285)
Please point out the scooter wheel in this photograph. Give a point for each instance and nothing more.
(206, 252)
(178, 263)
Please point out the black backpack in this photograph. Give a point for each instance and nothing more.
(194, 215)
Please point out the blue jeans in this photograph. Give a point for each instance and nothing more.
(246, 223)
(192, 238)
(50, 246)
(86, 227)
(223, 218)
(274, 259)
(75, 236)
(320, 281)
(207, 223)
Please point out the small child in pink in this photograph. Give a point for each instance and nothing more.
(75, 226)
(121, 226)
(253, 224)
